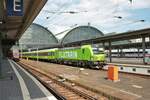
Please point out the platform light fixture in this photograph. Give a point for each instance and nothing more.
(1, 22)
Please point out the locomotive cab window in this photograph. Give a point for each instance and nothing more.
(98, 51)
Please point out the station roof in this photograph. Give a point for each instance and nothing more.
(36, 36)
(114, 38)
(81, 33)
(128, 45)
(120, 42)
(12, 27)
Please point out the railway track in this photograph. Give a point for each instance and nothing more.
(61, 88)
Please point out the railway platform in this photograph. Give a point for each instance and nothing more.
(18, 84)
(130, 86)
(130, 65)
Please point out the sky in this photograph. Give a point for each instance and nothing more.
(101, 14)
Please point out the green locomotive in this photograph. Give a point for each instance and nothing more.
(84, 56)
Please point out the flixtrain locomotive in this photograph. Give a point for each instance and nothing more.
(84, 56)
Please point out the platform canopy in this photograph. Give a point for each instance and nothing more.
(81, 33)
(37, 36)
(121, 42)
(16, 16)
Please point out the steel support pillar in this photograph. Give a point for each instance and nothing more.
(149, 43)
(0, 57)
(118, 53)
(138, 49)
(121, 52)
(103, 45)
(20, 47)
(110, 58)
(143, 47)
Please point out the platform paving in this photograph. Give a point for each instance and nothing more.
(130, 87)
(9, 88)
(17, 84)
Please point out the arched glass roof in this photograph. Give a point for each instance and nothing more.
(81, 33)
(36, 36)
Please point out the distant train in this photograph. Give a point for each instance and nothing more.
(13, 54)
(147, 57)
(131, 54)
(84, 56)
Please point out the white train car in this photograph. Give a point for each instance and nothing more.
(15, 53)
(147, 57)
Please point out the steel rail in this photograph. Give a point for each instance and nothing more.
(80, 93)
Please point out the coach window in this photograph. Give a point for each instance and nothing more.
(44, 53)
(49, 53)
(53, 53)
(34, 54)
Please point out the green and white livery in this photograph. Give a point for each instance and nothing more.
(84, 56)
